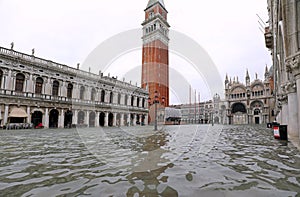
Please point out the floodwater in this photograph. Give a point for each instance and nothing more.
(190, 160)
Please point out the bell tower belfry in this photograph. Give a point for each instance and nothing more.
(155, 65)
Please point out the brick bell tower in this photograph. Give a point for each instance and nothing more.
(155, 67)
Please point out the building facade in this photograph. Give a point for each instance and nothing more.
(283, 40)
(155, 57)
(212, 111)
(249, 103)
(35, 90)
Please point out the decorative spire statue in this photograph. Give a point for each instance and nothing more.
(33, 52)
(12, 46)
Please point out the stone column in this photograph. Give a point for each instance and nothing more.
(87, 119)
(128, 119)
(146, 119)
(28, 115)
(2, 82)
(284, 111)
(106, 119)
(298, 97)
(121, 121)
(115, 120)
(62, 119)
(5, 114)
(74, 118)
(294, 65)
(97, 119)
(292, 109)
(46, 124)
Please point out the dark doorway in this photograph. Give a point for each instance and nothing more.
(125, 120)
(53, 119)
(68, 119)
(256, 120)
(102, 119)
(110, 120)
(37, 118)
(92, 119)
(80, 120)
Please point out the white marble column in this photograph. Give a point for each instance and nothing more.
(298, 97)
(284, 113)
(87, 119)
(97, 119)
(293, 114)
(46, 124)
(62, 119)
(106, 119)
(121, 121)
(146, 119)
(0, 114)
(115, 120)
(134, 120)
(2, 82)
(128, 119)
(74, 118)
(28, 115)
(5, 114)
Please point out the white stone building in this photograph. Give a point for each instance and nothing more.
(35, 90)
(283, 40)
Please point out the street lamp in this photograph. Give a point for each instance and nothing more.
(155, 102)
(155, 111)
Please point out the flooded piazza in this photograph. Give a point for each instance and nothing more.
(188, 160)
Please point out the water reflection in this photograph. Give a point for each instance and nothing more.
(244, 161)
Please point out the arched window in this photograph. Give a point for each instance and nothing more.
(39, 85)
(138, 102)
(20, 78)
(111, 97)
(102, 96)
(143, 103)
(132, 100)
(256, 112)
(126, 99)
(82, 89)
(119, 98)
(93, 94)
(1, 76)
(70, 90)
(55, 88)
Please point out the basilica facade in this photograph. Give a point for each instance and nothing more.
(250, 102)
(41, 92)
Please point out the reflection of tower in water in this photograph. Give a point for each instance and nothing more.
(150, 166)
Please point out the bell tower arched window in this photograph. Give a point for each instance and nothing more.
(20, 78)
(111, 97)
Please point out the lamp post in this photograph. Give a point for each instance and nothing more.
(155, 108)
(155, 102)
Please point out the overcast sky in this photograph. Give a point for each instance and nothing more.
(66, 31)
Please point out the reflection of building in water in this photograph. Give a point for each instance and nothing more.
(35, 90)
(250, 103)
